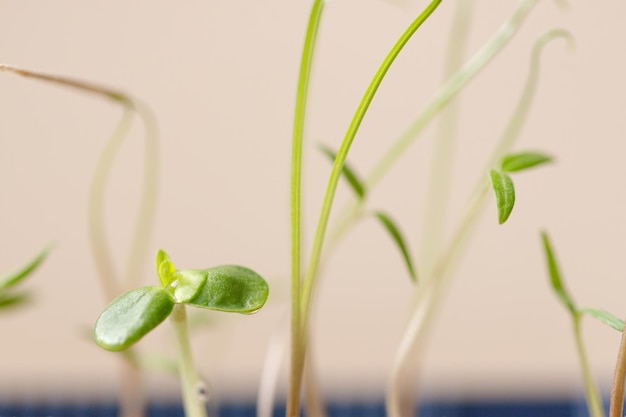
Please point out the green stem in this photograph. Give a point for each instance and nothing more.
(310, 277)
(594, 401)
(437, 196)
(297, 342)
(617, 390)
(194, 406)
(449, 90)
(426, 302)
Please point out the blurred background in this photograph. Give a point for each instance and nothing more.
(221, 77)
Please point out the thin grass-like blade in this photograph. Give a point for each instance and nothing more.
(355, 183)
(397, 237)
(17, 276)
(605, 317)
(555, 276)
(523, 160)
(13, 300)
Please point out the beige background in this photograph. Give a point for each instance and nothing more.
(221, 76)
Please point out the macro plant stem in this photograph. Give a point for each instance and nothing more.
(194, 406)
(437, 196)
(428, 295)
(616, 408)
(297, 342)
(594, 400)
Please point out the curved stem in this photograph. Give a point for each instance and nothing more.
(297, 342)
(144, 224)
(310, 277)
(617, 390)
(450, 89)
(95, 213)
(437, 195)
(194, 406)
(426, 302)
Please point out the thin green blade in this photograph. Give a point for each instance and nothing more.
(397, 237)
(232, 288)
(348, 173)
(555, 276)
(13, 300)
(17, 276)
(505, 193)
(131, 316)
(605, 317)
(523, 160)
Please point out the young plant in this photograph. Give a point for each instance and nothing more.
(592, 394)
(131, 401)
(10, 296)
(428, 291)
(129, 317)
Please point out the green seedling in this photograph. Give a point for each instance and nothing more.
(594, 400)
(129, 317)
(503, 184)
(10, 296)
(429, 288)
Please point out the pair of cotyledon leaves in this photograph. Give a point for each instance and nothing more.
(503, 184)
(132, 315)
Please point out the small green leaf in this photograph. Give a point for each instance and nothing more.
(231, 288)
(13, 300)
(505, 193)
(394, 231)
(348, 173)
(17, 276)
(555, 276)
(606, 318)
(131, 316)
(187, 283)
(165, 268)
(523, 160)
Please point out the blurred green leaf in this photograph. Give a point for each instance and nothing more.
(13, 300)
(231, 288)
(505, 194)
(131, 316)
(14, 278)
(348, 173)
(605, 317)
(397, 237)
(555, 276)
(523, 160)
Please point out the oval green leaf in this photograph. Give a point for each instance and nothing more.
(555, 276)
(187, 284)
(348, 173)
(131, 316)
(606, 318)
(505, 194)
(397, 237)
(14, 278)
(523, 160)
(231, 288)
